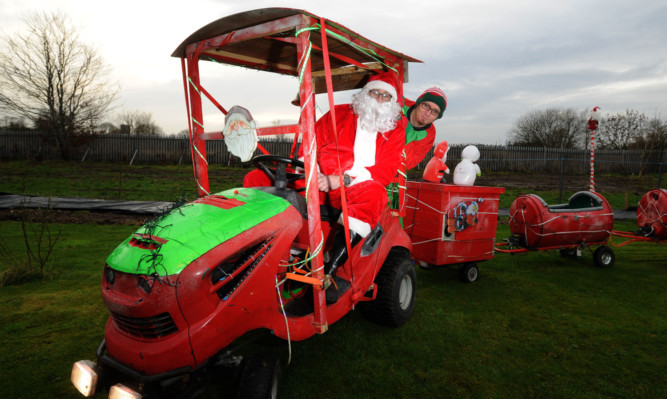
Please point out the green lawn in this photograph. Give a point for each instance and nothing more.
(535, 325)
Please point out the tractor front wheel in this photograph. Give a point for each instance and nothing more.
(396, 291)
(259, 378)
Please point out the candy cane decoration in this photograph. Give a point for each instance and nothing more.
(592, 126)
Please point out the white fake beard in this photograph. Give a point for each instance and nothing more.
(375, 116)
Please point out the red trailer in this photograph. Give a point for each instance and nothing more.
(652, 214)
(586, 220)
(651, 219)
(452, 225)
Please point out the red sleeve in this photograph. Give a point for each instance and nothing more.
(322, 133)
(415, 151)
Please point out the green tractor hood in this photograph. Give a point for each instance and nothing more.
(165, 246)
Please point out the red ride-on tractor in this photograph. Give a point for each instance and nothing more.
(187, 289)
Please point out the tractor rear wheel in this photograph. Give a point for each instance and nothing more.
(259, 378)
(396, 291)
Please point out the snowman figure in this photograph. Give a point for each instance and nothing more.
(466, 171)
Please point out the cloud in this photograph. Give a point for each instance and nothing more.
(496, 60)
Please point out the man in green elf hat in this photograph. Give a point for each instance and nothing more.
(419, 137)
(420, 132)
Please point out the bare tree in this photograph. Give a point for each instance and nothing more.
(654, 135)
(553, 128)
(651, 140)
(107, 128)
(621, 130)
(48, 76)
(140, 123)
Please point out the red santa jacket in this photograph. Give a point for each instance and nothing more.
(388, 148)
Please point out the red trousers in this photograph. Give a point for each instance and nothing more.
(365, 200)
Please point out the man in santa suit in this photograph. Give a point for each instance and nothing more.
(371, 135)
(368, 145)
(370, 139)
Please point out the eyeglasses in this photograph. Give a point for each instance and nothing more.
(429, 109)
(376, 94)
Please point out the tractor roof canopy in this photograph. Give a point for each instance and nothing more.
(265, 39)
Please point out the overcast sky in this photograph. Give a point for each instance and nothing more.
(496, 60)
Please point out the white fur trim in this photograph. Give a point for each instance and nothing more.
(382, 85)
(359, 175)
(356, 225)
(364, 148)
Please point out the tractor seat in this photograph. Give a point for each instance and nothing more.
(327, 212)
(290, 195)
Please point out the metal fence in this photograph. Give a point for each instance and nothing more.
(18, 145)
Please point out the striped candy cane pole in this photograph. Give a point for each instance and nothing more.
(592, 189)
(592, 126)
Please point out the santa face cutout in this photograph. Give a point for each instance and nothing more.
(239, 132)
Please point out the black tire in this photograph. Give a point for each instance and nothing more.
(260, 377)
(604, 257)
(396, 291)
(469, 273)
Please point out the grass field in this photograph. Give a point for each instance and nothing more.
(536, 325)
(170, 182)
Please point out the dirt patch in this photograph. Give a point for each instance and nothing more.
(73, 217)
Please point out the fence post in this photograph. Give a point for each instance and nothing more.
(182, 155)
(134, 155)
(562, 176)
(85, 154)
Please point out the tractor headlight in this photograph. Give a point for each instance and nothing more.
(109, 275)
(84, 377)
(120, 391)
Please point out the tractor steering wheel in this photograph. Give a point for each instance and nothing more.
(278, 175)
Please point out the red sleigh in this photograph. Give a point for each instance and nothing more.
(651, 219)
(585, 221)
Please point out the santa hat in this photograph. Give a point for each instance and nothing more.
(436, 96)
(384, 81)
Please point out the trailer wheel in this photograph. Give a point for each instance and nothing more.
(259, 377)
(604, 257)
(396, 291)
(469, 273)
